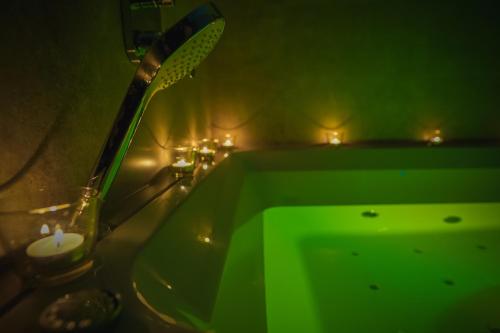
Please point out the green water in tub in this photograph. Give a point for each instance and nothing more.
(418, 268)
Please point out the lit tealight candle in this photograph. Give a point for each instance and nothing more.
(56, 245)
(182, 167)
(334, 138)
(182, 164)
(228, 141)
(436, 138)
(206, 151)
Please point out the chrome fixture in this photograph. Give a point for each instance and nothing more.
(171, 57)
(141, 25)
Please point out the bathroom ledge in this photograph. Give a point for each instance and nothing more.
(114, 257)
(116, 253)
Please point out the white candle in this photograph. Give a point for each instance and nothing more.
(436, 137)
(335, 141)
(182, 163)
(228, 142)
(334, 138)
(206, 151)
(55, 245)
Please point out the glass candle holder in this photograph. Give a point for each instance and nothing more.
(228, 144)
(184, 160)
(435, 138)
(334, 138)
(206, 151)
(55, 244)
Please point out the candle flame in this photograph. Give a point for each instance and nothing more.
(334, 138)
(228, 141)
(181, 163)
(44, 230)
(204, 150)
(436, 137)
(58, 237)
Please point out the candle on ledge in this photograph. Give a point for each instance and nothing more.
(334, 138)
(59, 244)
(56, 253)
(228, 144)
(205, 151)
(182, 164)
(58, 241)
(182, 167)
(436, 138)
(184, 160)
(228, 141)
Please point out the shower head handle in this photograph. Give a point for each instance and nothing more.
(171, 57)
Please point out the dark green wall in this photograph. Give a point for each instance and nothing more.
(64, 74)
(284, 72)
(288, 70)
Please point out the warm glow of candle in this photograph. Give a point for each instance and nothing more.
(206, 151)
(334, 138)
(44, 230)
(54, 245)
(182, 163)
(228, 141)
(436, 137)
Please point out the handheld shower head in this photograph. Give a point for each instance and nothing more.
(183, 47)
(174, 55)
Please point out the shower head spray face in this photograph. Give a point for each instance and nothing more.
(190, 54)
(183, 47)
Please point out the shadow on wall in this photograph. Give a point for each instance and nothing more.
(63, 102)
(66, 75)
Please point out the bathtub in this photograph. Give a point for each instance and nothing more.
(313, 240)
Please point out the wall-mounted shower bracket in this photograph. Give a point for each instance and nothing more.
(141, 25)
